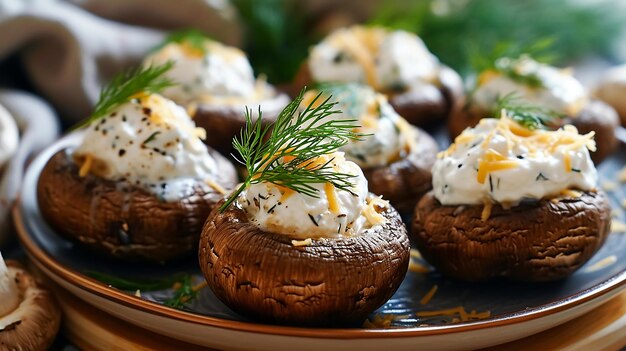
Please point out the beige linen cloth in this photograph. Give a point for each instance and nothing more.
(68, 49)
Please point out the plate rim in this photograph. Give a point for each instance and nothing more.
(90, 285)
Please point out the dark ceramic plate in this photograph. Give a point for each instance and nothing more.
(503, 310)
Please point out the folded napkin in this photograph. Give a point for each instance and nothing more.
(38, 127)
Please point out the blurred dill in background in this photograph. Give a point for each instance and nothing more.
(458, 32)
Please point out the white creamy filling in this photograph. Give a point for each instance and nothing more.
(535, 171)
(334, 213)
(559, 90)
(386, 60)
(9, 136)
(149, 142)
(386, 137)
(220, 73)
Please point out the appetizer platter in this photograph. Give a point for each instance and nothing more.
(352, 221)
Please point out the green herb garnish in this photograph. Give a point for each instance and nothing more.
(132, 284)
(529, 116)
(482, 59)
(125, 86)
(193, 37)
(300, 137)
(184, 293)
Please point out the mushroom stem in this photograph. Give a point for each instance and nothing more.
(8, 290)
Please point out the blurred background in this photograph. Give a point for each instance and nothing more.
(276, 34)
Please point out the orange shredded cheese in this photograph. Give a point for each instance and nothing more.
(417, 267)
(86, 166)
(331, 195)
(362, 43)
(429, 295)
(486, 213)
(567, 162)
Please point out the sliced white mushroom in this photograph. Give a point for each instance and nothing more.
(29, 315)
(8, 291)
(9, 136)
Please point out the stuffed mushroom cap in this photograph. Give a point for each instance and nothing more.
(139, 185)
(217, 85)
(538, 84)
(396, 63)
(290, 258)
(29, 315)
(513, 202)
(612, 89)
(395, 156)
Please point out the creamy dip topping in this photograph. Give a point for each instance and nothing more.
(334, 213)
(499, 161)
(533, 82)
(386, 60)
(149, 142)
(388, 136)
(213, 74)
(9, 136)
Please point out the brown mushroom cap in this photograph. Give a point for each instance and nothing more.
(405, 181)
(595, 116)
(223, 122)
(535, 241)
(420, 105)
(329, 282)
(34, 324)
(129, 223)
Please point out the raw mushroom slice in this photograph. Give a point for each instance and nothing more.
(29, 315)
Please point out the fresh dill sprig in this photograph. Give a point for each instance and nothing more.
(193, 37)
(132, 284)
(127, 85)
(286, 155)
(529, 116)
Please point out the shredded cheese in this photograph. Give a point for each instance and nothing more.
(363, 44)
(603, 263)
(621, 176)
(486, 213)
(372, 210)
(609, 186)
(215, 186)
(86, 166)
(417, 267)
(618, 226)
(304, 242)
(331, 195)
(464, 316)
(429, 295)
(415, 254)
